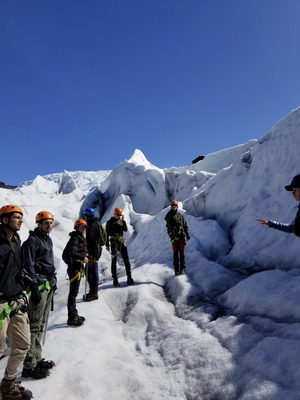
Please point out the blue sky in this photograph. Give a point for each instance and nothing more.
(85, 82)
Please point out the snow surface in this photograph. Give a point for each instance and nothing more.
(229, 329)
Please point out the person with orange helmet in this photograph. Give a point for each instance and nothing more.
(77, 251)
(178, 230)
(115, 228)
(38, 262)
(13, 303)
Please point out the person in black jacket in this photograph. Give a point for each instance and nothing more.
(14, 321)
(94, 251)
(177, 230)
(114, 229)
(77, 255)
(294, 226)
(38, 262)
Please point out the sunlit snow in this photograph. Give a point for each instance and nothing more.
(229, 329)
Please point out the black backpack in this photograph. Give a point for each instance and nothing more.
(65, 254)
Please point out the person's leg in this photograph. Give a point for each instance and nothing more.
(124, 254)
(73, 292)
(18, 333)
(38, 314)
(182, 256)
(175, 248)
(114, 249)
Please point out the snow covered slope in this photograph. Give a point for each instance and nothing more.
(229, 329)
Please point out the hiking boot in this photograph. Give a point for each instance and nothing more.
(91, 297)
(75, 322)
(81, 319)
(11, 390)
(35, 373)
(116, 283)
(44, 364)
(182, 272)
(177, 273)
(130, 281)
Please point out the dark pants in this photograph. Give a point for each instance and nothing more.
(122, 248)
(73, 292)
(93, 276)
(178, 247)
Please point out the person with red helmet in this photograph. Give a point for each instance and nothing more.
(177, 229)
(13, 303)
(77, 251)
(38, 262)
(114, 229)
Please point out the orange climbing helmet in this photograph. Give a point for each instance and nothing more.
(43, 215)
(174, 203)
(80, 222)
(9, 209)
(118, 211)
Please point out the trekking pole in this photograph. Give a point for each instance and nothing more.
(86, 279)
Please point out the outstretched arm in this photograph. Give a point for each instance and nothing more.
(263, 221)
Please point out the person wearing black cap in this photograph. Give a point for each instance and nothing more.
(294, 227)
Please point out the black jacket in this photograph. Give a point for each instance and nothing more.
(92, 235)
(37, 253)
(176, 225)
(77, 250)
(115, 229)
(11, 282)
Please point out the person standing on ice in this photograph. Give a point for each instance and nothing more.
(38, 262)
(177, 230)
(294, 227)
(114, 229)
(13, 303)
(77, 251)
(94, 251)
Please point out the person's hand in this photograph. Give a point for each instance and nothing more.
(263, 221)
(188, 236)
(107, 248)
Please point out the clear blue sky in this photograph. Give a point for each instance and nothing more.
(85, 82)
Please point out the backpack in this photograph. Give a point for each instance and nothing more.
(101, 239)
(65, 254)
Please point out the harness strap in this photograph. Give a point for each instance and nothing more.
(5, 313)
(42, 287)
(77, 276)
(8, 310)
(119, 241)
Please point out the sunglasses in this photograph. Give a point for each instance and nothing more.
(174, 205)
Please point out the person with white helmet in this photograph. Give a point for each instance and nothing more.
(115, 228)
(77, 252)
(38, 262)
(178, 230)
(13, 303)
(294, 226)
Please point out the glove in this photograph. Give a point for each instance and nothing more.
(188, 236)
(35, 294)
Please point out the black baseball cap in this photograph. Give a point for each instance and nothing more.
(294, 184)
